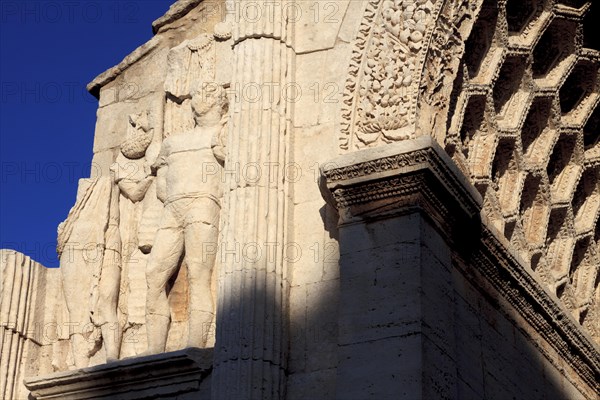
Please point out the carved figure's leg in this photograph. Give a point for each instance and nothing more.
(75, 269)
(108, 296)
(163, 262)
(201, 250)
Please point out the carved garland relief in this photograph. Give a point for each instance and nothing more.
(379, 99)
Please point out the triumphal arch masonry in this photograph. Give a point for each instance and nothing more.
(329, 199)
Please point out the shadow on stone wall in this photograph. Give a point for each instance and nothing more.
(497, 354)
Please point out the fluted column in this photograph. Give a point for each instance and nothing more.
(21, 280)
(252, 294)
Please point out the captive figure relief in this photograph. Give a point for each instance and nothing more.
(188, 175)
(89, 247)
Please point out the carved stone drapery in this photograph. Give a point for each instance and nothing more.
(189, 65)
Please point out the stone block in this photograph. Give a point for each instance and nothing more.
(352, 18)
(439, 371)
(312, 251)
(298, 335)
(392, 231)
(389, 368)
(102, 161)
(317, 385)
(113, 119)
(308, 81)
(466, 392)
(317, 23)
(308, 158)
(321, 325)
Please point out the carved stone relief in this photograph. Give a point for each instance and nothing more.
(89, 246)
(140, 213)
(189, 185)
(189, 63)
(126, 227)
(380, 98)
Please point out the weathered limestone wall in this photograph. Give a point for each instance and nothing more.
(321, 39)
(385, 300)
(28, 326)
(324, 32)
(434, 303)
(500, 355)
(414, 326)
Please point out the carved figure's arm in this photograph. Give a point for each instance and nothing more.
(131, 187)
(218, 143)
(159, 169)
(161, 183)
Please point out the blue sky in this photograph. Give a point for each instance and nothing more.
(49, 51)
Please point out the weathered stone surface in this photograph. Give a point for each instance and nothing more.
(175, 12)
(407, 282)
(457, 257)
(253, 290)
(189, 224)
(102, 161)
(113, 119)
(28, 307)
(315, 385)
(167, 375)
(515, 104)
(316, 23)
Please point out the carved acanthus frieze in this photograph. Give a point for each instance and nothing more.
(380, 95)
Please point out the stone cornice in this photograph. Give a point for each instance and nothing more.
(164, 375)
(519, 286)
(110, 74)
(385, 179)
(175, 12)
(418, 174)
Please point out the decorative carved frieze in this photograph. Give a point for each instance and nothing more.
(379, 99)
(367, 183)
(511, 90)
